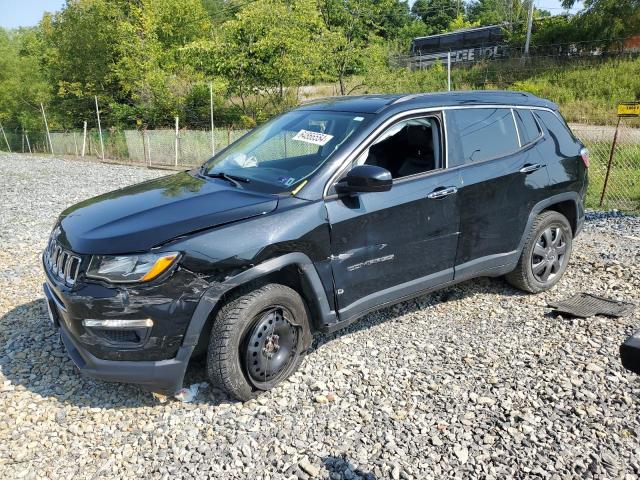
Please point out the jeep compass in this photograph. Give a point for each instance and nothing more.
(307, 223)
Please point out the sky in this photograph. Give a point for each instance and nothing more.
(26, 13)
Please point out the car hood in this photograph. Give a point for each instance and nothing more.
(139, 217)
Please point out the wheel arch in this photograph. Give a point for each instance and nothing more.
(294, 270)
(562, 202)
(568, 208)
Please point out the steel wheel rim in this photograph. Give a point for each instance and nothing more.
(271, 347)
(549, 254)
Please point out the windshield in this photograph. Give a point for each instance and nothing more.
(286, 150)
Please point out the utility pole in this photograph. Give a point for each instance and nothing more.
(529, 24)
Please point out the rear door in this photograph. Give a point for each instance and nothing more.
(502, 178)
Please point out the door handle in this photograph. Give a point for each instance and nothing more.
(531, 168)
(443, 192)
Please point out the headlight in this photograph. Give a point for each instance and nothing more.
(130, 268)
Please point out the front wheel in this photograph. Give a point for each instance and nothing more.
(257, 340)
(545, 254)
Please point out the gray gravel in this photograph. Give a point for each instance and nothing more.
(476, 381)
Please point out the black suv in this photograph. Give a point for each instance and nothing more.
(305, 224)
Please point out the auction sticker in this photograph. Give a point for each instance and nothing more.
(316, 138)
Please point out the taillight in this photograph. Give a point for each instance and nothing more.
(584, 153)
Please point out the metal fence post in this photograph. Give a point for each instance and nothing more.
(213, 142)
(177, 140)
(46, 126)
(5, 138)
(99, 127)
(84, 137)
(26, 135)
(144, 146)
(148, 145)
(449, 71)
(611, 153)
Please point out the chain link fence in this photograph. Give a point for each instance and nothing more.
(622, 190)
(153, 148)
(157, 148)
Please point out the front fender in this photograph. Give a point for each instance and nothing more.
(213, 295)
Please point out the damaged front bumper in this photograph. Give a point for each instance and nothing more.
(155, 369)
(162, 376)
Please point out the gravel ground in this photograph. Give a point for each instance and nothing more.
(476, 381)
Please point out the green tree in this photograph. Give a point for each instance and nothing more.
(461, 22)
(609, 19)
(270, 48)
(22, 86)
(151, 66)
(79, 54)
(437, 14)
(493, 12)
(222, 10)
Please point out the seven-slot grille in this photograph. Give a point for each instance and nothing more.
(62, 263)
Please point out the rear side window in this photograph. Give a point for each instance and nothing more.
(484, 133)
(528, 128)
(559, 133)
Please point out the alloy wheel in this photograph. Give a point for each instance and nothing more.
(549, 254)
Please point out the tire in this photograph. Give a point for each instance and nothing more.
(256, 340)
(545, 254)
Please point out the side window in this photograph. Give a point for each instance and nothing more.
(408, 147)
(528, 128)
(484, 133)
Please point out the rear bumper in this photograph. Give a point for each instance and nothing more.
(630, 353)
(163, 376)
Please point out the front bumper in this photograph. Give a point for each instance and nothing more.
(163, 376)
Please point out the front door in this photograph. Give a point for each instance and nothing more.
(386, 245)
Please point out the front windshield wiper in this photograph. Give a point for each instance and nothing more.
(235, 179)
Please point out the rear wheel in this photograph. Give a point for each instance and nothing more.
(257, 340)
(545, 254)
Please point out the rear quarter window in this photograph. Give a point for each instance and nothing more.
(565, 142)
(483, 134)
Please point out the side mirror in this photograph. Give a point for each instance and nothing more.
(365, 178)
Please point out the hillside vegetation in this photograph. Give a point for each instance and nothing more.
(587, 91)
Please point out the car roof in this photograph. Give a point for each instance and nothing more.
(380, 103)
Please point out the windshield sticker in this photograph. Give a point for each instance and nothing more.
(312, 137)
(288, 181)
(358, 119)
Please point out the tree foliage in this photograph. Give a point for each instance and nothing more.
(437, 14)
(612, 19)
(150, 60)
